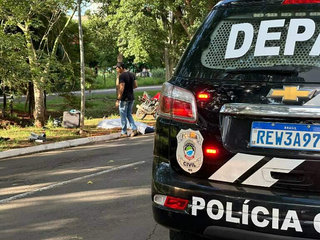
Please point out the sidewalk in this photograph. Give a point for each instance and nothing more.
(57, 145)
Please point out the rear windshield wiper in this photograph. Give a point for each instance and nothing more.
(286, 70)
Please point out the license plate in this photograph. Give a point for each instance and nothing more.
(285, 136)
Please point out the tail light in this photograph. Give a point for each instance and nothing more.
(178, 104)
(300, 1)
(171, 202)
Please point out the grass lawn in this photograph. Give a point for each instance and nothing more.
(97, 106)
(109, 81)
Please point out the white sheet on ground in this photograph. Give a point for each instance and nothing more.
(116, 123)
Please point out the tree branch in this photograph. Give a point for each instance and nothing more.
(55, 46)
(54, 18)
(65, 52)
(179, 15)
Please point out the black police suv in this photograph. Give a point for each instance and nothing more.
(237, 145)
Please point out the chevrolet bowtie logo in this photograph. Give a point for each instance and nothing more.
(291, 94)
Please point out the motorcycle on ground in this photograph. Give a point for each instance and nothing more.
(148, 106)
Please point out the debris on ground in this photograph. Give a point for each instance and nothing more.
(37, 138)
(71, 119)
(57, 122)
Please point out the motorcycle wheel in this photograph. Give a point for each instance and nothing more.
(140, 114)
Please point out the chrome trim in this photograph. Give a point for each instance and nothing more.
(263, 110)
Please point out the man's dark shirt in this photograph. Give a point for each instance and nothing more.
(128, 79)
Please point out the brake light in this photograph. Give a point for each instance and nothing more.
(176, 203)
(203, 96)
(300, 1)
(182, 109)
(211, 151)
(178, 104)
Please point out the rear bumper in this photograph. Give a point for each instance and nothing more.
(235, 234)
(218, 210)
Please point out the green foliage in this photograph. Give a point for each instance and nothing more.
(146, 27)
(38, 25)
(90, 77)
(139, 33)
(109, 82)
(14, 71)
(158, 73)
(102, 42)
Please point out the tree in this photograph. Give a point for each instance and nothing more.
(180, 20)
(82, 70)
(156, 31)
(102, 41)
(33, 17)
(13, 66)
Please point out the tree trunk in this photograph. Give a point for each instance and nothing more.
(168, 29)
(11, 105)
(119, 59)
(30, 99)
(83, 81)
(4, 107)
(45, 101)
(167, 63)
(38, 112)
(171, 66)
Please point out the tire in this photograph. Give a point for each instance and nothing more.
(140, 114)
(184, 236)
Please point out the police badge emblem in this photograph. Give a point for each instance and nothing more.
(189, 151)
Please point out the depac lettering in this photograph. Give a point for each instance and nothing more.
(293, 37)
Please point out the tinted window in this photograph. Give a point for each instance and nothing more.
(257, 37)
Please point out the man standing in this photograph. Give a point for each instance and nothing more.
(125, 100)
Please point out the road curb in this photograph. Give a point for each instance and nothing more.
(57, 145)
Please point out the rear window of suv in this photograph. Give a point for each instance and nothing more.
(234, 43)
(237, 44)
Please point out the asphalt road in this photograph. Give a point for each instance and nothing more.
(99, 191)
(93, 92)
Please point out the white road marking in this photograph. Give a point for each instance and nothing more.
(23, 195)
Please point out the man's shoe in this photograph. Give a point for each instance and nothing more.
(134, 133)
(124, 135)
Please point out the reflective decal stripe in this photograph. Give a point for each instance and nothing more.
(235, 167)
(314, 101)
(263, 178)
